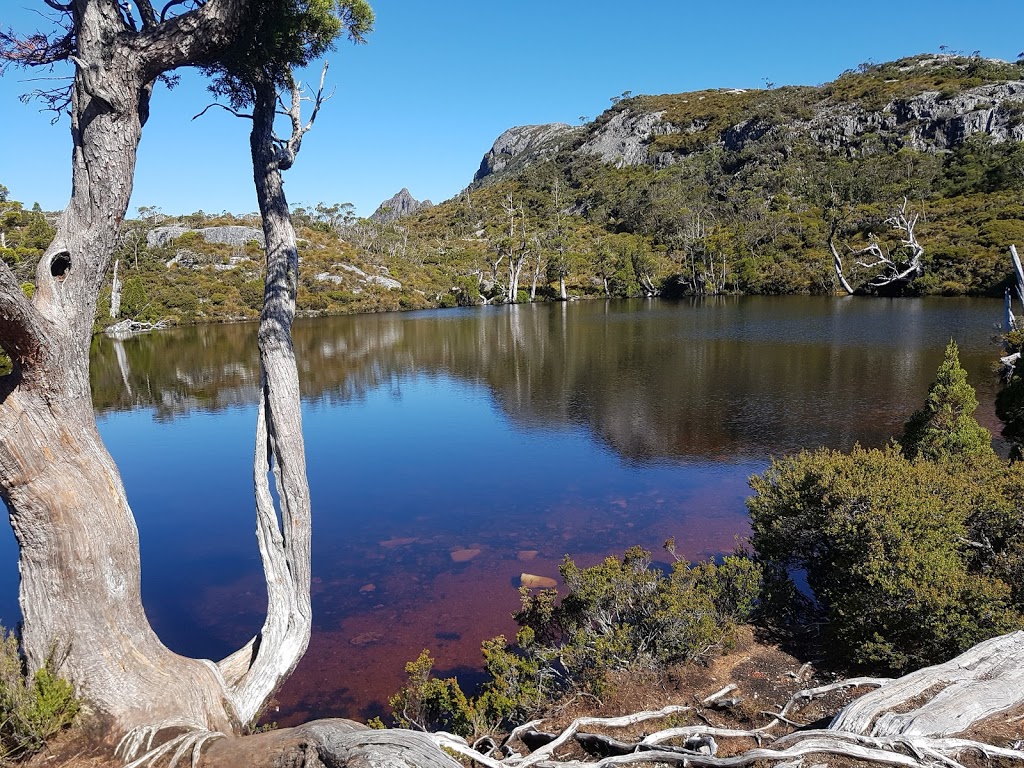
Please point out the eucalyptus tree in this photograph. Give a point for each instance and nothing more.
(78, 542)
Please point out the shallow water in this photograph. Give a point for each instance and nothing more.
(526, 433)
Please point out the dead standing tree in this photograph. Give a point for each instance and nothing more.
(893, 267)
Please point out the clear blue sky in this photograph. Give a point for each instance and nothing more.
(438, 81)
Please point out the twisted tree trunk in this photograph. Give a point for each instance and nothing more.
(256, 671)
(78, 544)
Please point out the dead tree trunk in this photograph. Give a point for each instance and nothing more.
(115, 294)
(837, 262)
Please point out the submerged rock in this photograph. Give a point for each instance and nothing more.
(464, 555)
(533, 581)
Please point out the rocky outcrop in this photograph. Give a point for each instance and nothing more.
(356, 275)
(624, 139)
(523, 145)
(401, 204)
(235, 236)
(930, 121)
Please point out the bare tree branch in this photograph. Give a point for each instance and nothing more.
(289, 148)
(127, 16)
(190, 39)
(895, 270)
(225, 108)
(37, 49)
(169, 6)
(147, 12)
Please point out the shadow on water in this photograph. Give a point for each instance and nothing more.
(451, 451)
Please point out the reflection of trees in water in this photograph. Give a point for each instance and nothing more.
(719, 379)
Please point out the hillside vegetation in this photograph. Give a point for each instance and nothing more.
(717, 191)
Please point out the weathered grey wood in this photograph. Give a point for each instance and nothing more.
(327, 744)
(255, 673)
(981, 682)
(78, 544)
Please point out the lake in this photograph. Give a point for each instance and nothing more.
(525, 433)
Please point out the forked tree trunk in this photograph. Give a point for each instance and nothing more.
(78, 544)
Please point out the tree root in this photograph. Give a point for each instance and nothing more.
(141, 740)
(908, 722)
(983, 681)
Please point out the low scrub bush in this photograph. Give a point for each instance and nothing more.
(912, 552)
(33, 709)
(621, 614)
(627, 613)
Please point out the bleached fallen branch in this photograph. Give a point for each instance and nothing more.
(910, 721)
(129, 327)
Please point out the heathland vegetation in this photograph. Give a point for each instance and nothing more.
(721, 192)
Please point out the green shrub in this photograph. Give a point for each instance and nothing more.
(628, 614)
(467, 291)
(429, 704)
(619, 614)
(945, 427)
(882, 541)
(32, 710)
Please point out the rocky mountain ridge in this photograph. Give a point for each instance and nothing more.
(892, 104)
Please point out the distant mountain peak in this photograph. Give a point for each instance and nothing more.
(401, 204)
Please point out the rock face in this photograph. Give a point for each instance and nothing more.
(624, 139)
(232, 235)
(521, 146)
(929, 121)
(401, 204)
(355, 274)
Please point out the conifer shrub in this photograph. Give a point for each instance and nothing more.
(945, 427)
(911, 554)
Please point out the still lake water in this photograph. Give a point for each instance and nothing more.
(526, 433)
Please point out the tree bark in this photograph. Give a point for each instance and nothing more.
(78, 544)
(255, 672)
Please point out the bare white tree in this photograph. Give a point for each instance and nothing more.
(893, 266)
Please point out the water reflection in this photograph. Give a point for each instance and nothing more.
(732, 377)
(520, 433)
